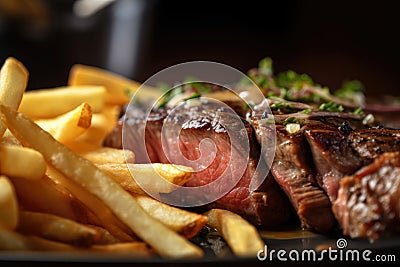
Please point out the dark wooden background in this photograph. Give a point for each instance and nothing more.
(332, 41)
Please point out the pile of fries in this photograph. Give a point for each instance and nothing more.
(61, 190)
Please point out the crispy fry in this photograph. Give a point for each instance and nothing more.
(105, 155)
(70, 125)
(105, 238)
(171, 174)
(133, 249)
(13, 241)
(13, 81)
(103, 215)
(10, 240)
(44, 195)
(8, 204)
(56, 228)
(119, 89)
(181, 221)
(57, 101)
(85, 173)
(242, 237)
(21, 162)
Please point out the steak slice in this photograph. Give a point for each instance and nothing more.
(340, 151)
(333, 156)
(292, 170)
(368, 201)
(266, 206)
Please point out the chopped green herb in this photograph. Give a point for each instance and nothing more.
(331, 106)
(349, 88)
(358, 111)
(248, 106)
(307, 111)
(289, 120)
(164, 87)
(201, 87)
(193, 96)
(265, 66)
(291, 79)
(281, 106)
(128, 92)
(168, 95)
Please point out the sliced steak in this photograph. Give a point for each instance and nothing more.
(340, 151)
(292, 170)
(368, 202)
(267, 205)
(333, 155)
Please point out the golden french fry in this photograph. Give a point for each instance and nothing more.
(105, 238)
(13, 81)
(106, 155)
(97, 132)
(44, 195)
(70, 125)
(133, 249)
(21, 162)
(49, 103)
(56, 228)
(158, 177)
(241, 236)
(119, 89)
(103, 216)
(181, 221)
(85, 173)
(8, 204)
(10, 240)
(102, 124)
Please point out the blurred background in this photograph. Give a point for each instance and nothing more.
(332, 41)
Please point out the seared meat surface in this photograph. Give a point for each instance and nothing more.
(368, 201)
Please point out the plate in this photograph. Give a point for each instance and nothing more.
(286, 247)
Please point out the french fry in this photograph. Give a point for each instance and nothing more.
(9, 139)
(86, 174)
(56, 228)
(153, 173)
(103, 215)
(105, 238)
(21, 162)
(13, 81)
(14, 241)
(44, 195)
(70, 125)
(8, 204)
(119, 89)
(10, 240)
(102, 124)
(181, 221)
(133, 249)
(106, 155)
(97, 132)
(242, 237)
(49, 103)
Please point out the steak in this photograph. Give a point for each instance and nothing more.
(266, 205)
(333, 156)
(292, 169)
(368, 201)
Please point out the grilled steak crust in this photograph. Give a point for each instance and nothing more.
(368, 201)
